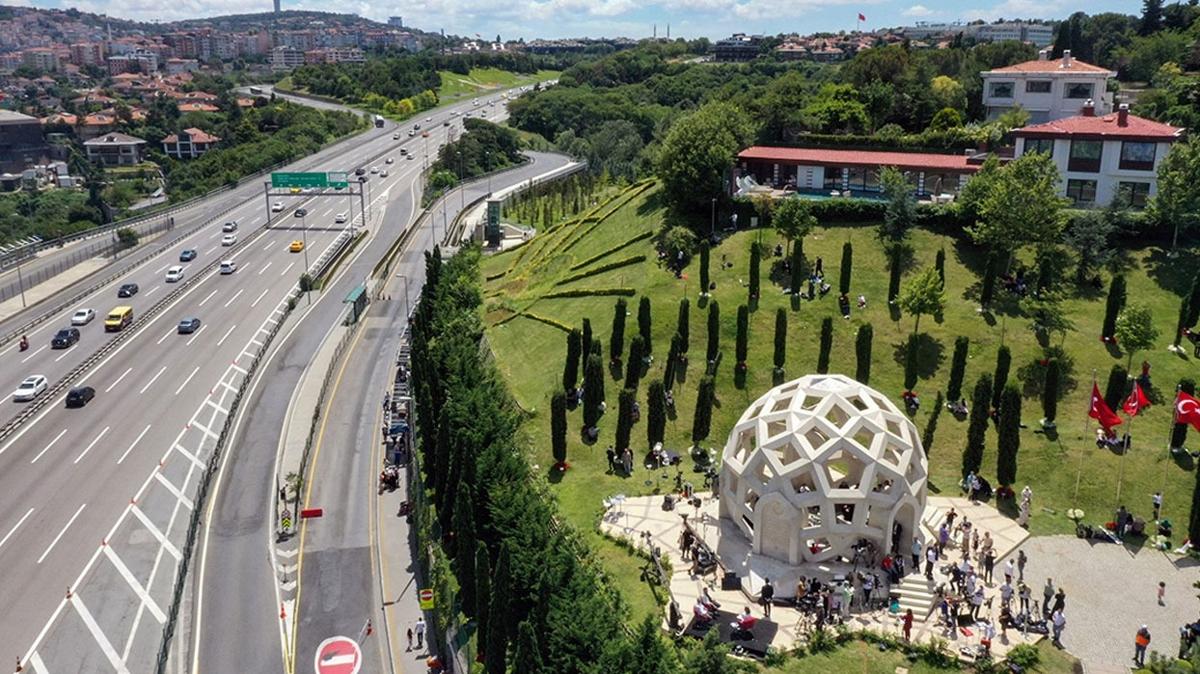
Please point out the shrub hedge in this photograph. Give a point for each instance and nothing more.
(591, 292)
(615, 264)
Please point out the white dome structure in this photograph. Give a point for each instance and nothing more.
(817, 465)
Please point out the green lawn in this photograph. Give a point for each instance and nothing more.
(530, 354)
(857, 657)
(482, 81)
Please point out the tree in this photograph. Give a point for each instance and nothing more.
(681, 325)
(673, 358)
(900, 214)
(793, 220)
(958, 365)
(483, 594)
(1022, 206)
(574, 351)
(465, 544)
(704, 256)
(1050, 389)
(1135, 330)
(923, 294)
(894, 272)
(1190, 309)
(497, 636)
(656, 414)
(741, 346)
(527, 656)
(1112, 307)
(1177, 201)
(797, 269)
(1009, 435)
(862, 353)
(644, 326)
(645, 652)
(702, 419)
(847, 264)
(1116, 387)
(633, 371)
(780, 339)
(1178, 430)
(988, 288)
(931, 424)
(939, 263)
(1000, 378)
(714, 332)
(825, 346)
(587, 340)
(624, 417)
(1090, 237)
(755, 272)
(616, 343)
(558, 428)
(593, 390)
(910, 363)
(946, 118)
(1152, 17)
(696, 152)
(981, 400)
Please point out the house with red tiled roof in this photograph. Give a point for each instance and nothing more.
(1047, 88)
(1102, 156)
(197, 107)
(189, 143)
(855, 172)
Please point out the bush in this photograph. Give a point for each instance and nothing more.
(590, 292)
(714, 332)
(616, 264)
(616, 339)
(780, 338)
(126, 238)
(742, 345)
(847, 265)
(1025, 655)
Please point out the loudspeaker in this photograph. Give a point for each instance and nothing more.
(730, 581)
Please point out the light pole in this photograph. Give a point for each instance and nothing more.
(21, 285)
(462, 196)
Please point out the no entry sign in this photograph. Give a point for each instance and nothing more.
(338, 655)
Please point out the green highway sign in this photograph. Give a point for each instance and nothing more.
(300, 179)
(338, 179)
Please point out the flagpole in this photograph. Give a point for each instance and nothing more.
(1087, 424)
(1170, 434)
(1128, 435)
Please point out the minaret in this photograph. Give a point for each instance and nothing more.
(276, 6)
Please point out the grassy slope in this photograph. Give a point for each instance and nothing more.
(531, 353)
(483, 80)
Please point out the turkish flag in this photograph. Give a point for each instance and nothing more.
(1187, 410)
(1136, 401)
(1100, 411)
(862, 17)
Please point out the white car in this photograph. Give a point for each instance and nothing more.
(229, 239)
(32, 387)
(428, 119)
(339, 218)
(383, 173)
(396, 136)
(230, 226)
(228, 266)
(277, 207)
(83, 316)
(389, 160)
(374, 169)
(175, 273)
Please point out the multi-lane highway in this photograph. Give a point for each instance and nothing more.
(101, 493)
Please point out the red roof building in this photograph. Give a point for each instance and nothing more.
(825, 170)
(1048, 89)
(189, 144)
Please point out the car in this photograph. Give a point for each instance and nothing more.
(277, 207)
(416, 127)
(189, 325)
(230, 226)
(83, 316)
(295, 190)
(187, 255)
(428, 119)
(403, 151)
(339, 218)
(229, 239)
(374, 169)
(127, 290)
(411, 157)
(411, 133)
(446, 123)
(389, 160)
(65, 338)
(383, 173)
(396, 136)
(475, 102)
(175, 273)
(80, 396)
(296, 246)
(300, 213)
(228, 266)
(32, 387)
(360, 171)
(424, 134)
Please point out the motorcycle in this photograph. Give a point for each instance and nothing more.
(24, 343)
(389, 479)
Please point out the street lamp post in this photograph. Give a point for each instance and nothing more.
(304, 236)
(21, 285)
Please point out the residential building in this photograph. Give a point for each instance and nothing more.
(1047, 89)
(334, 56)
(176, 66)
(823, 170)
(255, 44)
(137, 61)
(21, 141)
(397, 21)
(1037, 34)
(87, 53)
(1101, 156)
(189, 144)
(115, 149)
(302, 40)
(738, 47)
(286, 58)
(44, 60)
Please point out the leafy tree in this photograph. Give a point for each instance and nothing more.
(1050, 391)
(624, 417)
(793, 219)
(702, 419)
(558, 427)
(923, 294)
(958, 365)
(910, 363)
(695, 154)
(656, 414)
(1022, 206)
(704, 256)
(900, 215)
(825, 346)
(946, 118)
(741, 346)
(755, 272)
(527, 656)
(1116, 387)
(1000, 378)
(681, 326)
(797, 270)
(593, 390)
(1112, 307)
(988, 288)
(616, 343)
(633, 371)
(1178, 430)
(847, 265)
(1177, 201)
(835, 109)
(574, 351)
(714, 331)
(981, 400)
(497, 636)
(644, 325)
(1135, 330)
(1090, 237)
(1009, 434)
(862, 353)
(711, 656)
(931, 424)
(780, 339)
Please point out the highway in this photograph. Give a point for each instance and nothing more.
(95, 500)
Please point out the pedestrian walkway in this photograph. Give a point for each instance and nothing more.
(51, 286)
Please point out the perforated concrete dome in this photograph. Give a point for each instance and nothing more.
(817, 465)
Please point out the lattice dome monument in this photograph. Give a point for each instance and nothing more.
(819, 464)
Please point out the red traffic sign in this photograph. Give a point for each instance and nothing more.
(311, 512)
(338, 655)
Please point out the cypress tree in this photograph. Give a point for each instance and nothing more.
(1113, 306)
(527, 656)
(931, 424)
(497, 636)
(624, 417)
(1181, 323)
(1050, 388)
(988, 289)
(656, 413)
(704, 255)
(558, 427)
(644, 325)
(483, 594)
(1179, 431)
(681, 325)
(981, 399)
(587, 337)
(797, 271)
(780, 339)
(465, 544)
(672, 362)
(910, 363)
(633, 371)
(1000, 378)
(702, 419)
(574, 351)
(714, 331)
(958, 366)
(1117, 386)
(593, 391)
(1194, 517)
(939, 263)
(742, 345)
(862, 353)
(847, 264)
(894, 272)
(1009, 432)
(755, 272)
(616, 344)
(1193, 302)
(825, 346)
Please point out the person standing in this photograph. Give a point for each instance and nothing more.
(409, 639)
(1022, 559)
(1047, 596)
(1058, 621)
(1060, 600)
(1140, 642)
(767, 594)
(1024, 593)
(1162, 593)
(976, 602)
(908, 623)
(1008, 571)
(420, 632)
(944, 536)
(989, 562)
(931, 557)
(916, 553)
(1006, 594)
(1157, 503)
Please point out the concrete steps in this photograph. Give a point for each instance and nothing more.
(916, 593)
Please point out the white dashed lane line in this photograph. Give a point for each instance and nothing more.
(167, 334)
(118, 381)
(235, 296)
(222, 339)
(152, 291)
(39, 350)
(257, 299)
(287, 268)
(91, 444)
(265, 267)
(15, 527)
(47, 447)
(135, 441)
(60, 534)
(154, 378)
(193, 338)
(185, 381)
(207, 297)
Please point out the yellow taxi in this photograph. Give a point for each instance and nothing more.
(296, 246)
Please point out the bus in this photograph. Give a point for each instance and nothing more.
(378, 122)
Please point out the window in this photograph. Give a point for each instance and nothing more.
(1078, 90)
(1043, 145)
(1085, 156)
(1137, 156)
(833, 178)
(1001, 90)
(1037, 87)
(1134, 193)
(871, 180)
(941, 183)
(1081, 192)
(858, 178)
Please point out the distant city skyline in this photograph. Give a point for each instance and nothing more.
(613, 18)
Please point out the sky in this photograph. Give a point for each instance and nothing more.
(529, 19)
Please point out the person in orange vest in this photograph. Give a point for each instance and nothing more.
(1140, 643)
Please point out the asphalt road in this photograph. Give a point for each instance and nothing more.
(70, 475)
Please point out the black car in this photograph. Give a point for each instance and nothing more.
(65, 338)
(127, 290)
(300, 213)
(187, 255)
(360, 171)
(189, 325)
(80, 396)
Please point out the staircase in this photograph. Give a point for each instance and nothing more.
(916, 593)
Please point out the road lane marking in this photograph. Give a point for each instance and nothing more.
(60, 534)
(191, 457)
(260, 296)
(285, 270)
(222, 339)
(260, 271)
(118, 381)
(101, 639)
(185, 381)
(189, 342)
(136, 440)
(15, 527)
(91, 444)
(211, 250)
(174, 490)
(160, 269)
(152, 290)
(215, 235)
(135, 585)
(167, 334)
(39, 455)
(235, 296)
(209, 297)
(155, 531)
(269, 246)
(205, 429)
(64, 355)
(152, 380)
(39, 350)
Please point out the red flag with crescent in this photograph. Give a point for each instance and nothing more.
(862, 17)
(1187, 410)
(1136, 402)
(1100, 411)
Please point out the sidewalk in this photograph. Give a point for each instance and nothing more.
(34, 294)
